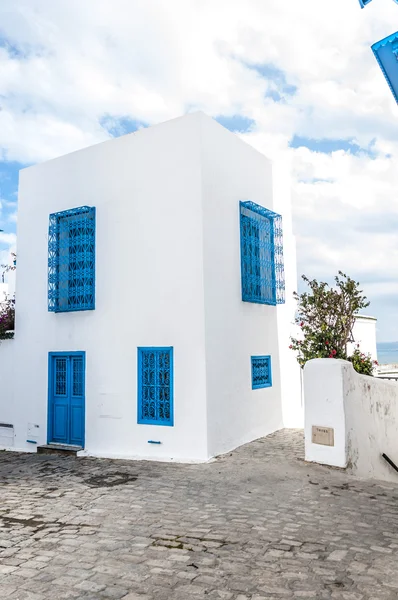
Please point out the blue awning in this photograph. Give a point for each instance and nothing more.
(386, 53)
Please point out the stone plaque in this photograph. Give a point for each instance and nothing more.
(323, 435)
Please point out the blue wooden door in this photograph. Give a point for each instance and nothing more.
(66, 398)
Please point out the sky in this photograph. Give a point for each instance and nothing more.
(297, 80)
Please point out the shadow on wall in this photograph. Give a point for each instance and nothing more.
(351, 420)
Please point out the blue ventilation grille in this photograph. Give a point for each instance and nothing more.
(77, 376)
(261, 246)
(60, 376)
(155, 386)
(261, 372)
(71, 260)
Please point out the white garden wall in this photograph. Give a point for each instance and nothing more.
(362, 410)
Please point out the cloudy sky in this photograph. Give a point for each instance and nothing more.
(294, 78)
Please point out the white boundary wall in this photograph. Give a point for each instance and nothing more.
(362, 410)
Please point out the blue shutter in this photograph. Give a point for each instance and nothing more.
(386, 53)
(71, 260)
(155, 386)
(261, 243)
(261, 372)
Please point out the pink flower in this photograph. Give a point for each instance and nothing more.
(290, 346)
(334, 352)
(327, 343)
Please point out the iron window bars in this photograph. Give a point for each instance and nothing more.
(261, 372)
(261, 243)
(71, 260)
(155, 386)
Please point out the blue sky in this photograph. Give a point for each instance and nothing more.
(297, 80)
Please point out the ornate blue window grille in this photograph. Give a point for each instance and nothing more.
(261, 247)
(155, 386)
(261, 372)
(386, 53)
(71, 260)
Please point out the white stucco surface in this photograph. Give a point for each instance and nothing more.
(363, 411)
(364, 334)
(167, 274)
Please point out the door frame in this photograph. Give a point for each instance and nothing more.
(50, 382)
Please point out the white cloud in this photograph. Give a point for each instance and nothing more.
(72, 62)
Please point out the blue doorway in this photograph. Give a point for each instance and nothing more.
(66, 398)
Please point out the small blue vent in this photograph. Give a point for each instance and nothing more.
(155, 386)
(261, 246)
(261, 372)
(71, 260)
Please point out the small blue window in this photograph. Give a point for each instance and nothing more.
(155, 386)
(71, 260)
(261, 247)
(261, 372)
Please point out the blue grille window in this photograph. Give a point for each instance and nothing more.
(261, 246)
(261, 372)
(155, 386)
(71, 260)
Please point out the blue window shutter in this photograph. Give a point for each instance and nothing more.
(261, 372)
(386, 53)
(71, 260)
(261, 245)
(155, 386)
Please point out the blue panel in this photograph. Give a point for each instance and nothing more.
(386, 53)
(66, 398)
(261, 247)
(155, 386)
(71, 260)
(60, 432)
(261, 372)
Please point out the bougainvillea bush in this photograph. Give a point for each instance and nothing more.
(326, 317)
(7, 318)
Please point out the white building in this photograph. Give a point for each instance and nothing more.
(132, 338)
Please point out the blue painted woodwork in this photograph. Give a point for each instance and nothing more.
(71, 260)
(364, 3)
(155, 386)
(261, 248)
(261, 372)
(386, 53)
(66, 398)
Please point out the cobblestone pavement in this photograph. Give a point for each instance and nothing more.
(257, 524)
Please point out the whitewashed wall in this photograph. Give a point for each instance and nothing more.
(8, 413)
(363, 412)
(167, 274)
(235, 330)
(364, 334)
(149, 287)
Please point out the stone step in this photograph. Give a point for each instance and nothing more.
(60, 449)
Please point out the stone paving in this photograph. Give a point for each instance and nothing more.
(256, 524)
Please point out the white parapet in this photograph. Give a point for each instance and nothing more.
(351, 420)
